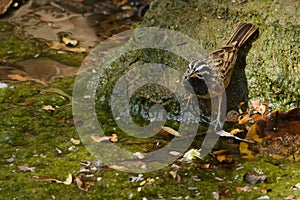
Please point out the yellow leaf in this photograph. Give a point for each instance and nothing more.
(235, 131)
(74, 141)
(69, 180)
(114, 138)
(253, 134)
(173, 174)
(224, 158)
(143, 182)
(244, 151)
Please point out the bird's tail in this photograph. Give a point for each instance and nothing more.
(242, 33)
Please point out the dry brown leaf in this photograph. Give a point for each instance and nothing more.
(48, 107)
(97, 138)
(150, 180)
(290, 197)
(255, 103)
(219, 152)
(62, 46)
(224, 158)
(114, 138)
(276, 135)
(69, 42)
(243, 119)
(254, 178)
(232, 116)
(243, 189)
(117, 167)
(18, 77)
(25, 103)
(47, 179)
(85, 186)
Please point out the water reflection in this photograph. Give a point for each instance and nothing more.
(88, 21)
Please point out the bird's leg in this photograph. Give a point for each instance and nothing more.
(190, 101)
(218, 122)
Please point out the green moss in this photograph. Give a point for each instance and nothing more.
(272, 63)
(15, 45)
(34, 135)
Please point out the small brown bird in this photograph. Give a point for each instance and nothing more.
(210, 76)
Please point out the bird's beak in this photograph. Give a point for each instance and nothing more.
(193, 75)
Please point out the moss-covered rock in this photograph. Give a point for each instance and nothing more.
(272, 64)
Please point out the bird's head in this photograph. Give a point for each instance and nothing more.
(198, 69)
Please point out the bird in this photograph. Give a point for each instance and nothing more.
(208, 77)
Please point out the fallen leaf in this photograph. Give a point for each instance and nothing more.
(243, 119)
(245, 151)
(139, 155)
(68, 180)
(223, 133)
(171, 131)
(74, 141)
(62, 46)
(290, 197)
(150, 180)
(175, 153)
(235, 131)
(296, 186)
(173, 174)
(17, 77)
(97, 138)
(254, 178)
(69, 42)
(48, 107)
(216, 195)
(25, 103)
(232, 116)
(143, 183)
(224, 158)
(47, 179)
(113, 138)
(11, 159)
(243, 189)
(79, 182)
(255, 103)
(119, 168)
(276, 134)
(219, 152)
(25, 168)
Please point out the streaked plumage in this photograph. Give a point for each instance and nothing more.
(216, 69)
(210, 76)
